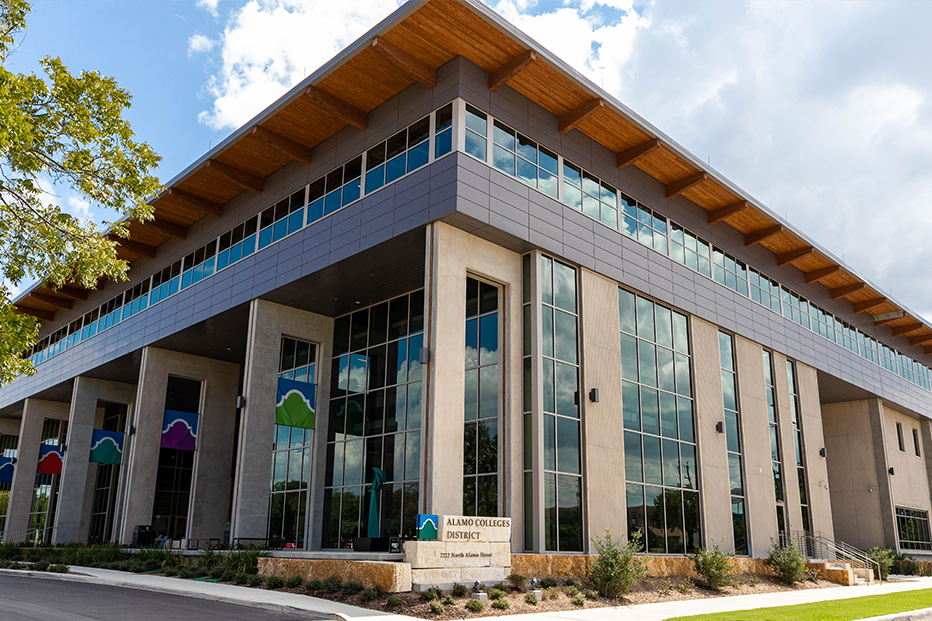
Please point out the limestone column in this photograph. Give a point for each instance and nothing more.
(820, 502)
(73, 515)
(268, 322)
(35, 411)
(210, 486)
(881, 463)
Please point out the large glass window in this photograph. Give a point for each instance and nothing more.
(913, 528)
(726, 350)
(661, 473)
(45, 492)
(585, 192)
(283, 218)
(481, 400)
(518, 156)
(375, 420)
(730, 272)
(798, 441)
(164, 283)
(527, 383)
(404, 152)
(477, 131)
(237, 243)
(199, 264)
(291, 455)
(563, 526)
(8, 447)
(776, 452)
(688, 249)
(107, 481)
(443, 132)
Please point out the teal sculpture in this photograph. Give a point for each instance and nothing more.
(377, 483)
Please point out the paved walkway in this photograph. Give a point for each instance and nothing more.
(645, 612)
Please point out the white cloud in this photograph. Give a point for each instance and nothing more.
(198, 43)
(208, 5)
(270, 45)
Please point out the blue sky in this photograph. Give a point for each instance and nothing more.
(822, 110)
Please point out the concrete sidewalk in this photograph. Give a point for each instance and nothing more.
(645, 612)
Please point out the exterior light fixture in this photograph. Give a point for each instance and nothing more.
(423, 355)
(720, 426)
(890, 470)
(594, 395)
(822, 451)
(240, 402)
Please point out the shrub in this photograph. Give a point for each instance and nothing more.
(573, 582)
(496, 594)
(531, 599)
(274, 582)
(371, 593)
(578, 600)
(552, 593)
(313, 585)
(590, 594)
(500, 604)
(884, 557)
(394, 601)
(617, 568)
(548, 582)
(435, 607)
(352, 588)
(170, 571)
(684, 585)
(227, 576)
(216, 572)
(714, 567)
(331, 585)
(240, 578)
(460, 590)
(10, 552)
(187, 573)
(813, 575)
(517, 581)
(294, 582)
(571, 591)
(787, 562)
(430, 594)
(59, 568)
(40, 566)
(474, 605)
(255, 580)
(448, 601)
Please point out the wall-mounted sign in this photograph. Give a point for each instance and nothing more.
(50, 459)
(294, 405)
(106, 447)
(179, 430)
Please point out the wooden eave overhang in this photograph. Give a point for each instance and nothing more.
(406, 48)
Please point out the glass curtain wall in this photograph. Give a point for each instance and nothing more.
(770, 393)
(107, 481)
(8, 446)
(726, 351)
(291, 455)
(798, 441)
(662, 479)
(375, 420)
(481, 399)
(45, 492)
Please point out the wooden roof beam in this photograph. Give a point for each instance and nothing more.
(785, 258)
(199, 204)
(632, 155)
(720, 213)
(51, 299)
(756, 237)
(885, 318)
(413, 67)
(344, 110)
(507, 72)
(840, 292)
(920, 340)
(72, 292)
(901, 330)
(569, 120)
(678, 187)
(819, 274)
(286, 146)
(35, 312)
(242, 178)
(860, 307)
(135, 247)
(169, 228)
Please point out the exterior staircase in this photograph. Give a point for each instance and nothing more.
(836, 560)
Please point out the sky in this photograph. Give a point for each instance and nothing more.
(820, 110)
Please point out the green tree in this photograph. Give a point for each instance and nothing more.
(67, 130)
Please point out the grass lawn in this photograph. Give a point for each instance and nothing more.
(834, 610)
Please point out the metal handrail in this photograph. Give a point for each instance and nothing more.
(817, 545)
(28, 534)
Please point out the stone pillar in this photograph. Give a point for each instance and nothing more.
(884, 491)
(603, 431)
(73, 516)
(452, 255)
(760, 499)
(35, 411)
(210, 488)
(714, 492)
(810, 411)
(268, 322)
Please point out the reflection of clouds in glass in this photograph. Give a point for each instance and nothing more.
(357, 373)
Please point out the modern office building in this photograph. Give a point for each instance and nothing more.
(498, 286)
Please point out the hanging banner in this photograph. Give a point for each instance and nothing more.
(6, 469)
(106, 447)
(50, 459)
(179, 430)
(294, 406)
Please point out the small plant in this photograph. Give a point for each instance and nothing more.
(548, 582)
(352, 588)
(460, 590)
(592, 594)
(313, 586)
(187, 573)
(40, 566)
(293, 582)
(170, 571)
(216, 572)
(255, 580)
(240, 578)
(274, 582)
(684, 585)
(787, 562)
(531, 599)
(573, 582)
(813, 575)
(393, 601)
(517, 581)
(500, 604)
(578, 600)
(448, 601)
(713, 565)
(474, 605)
(571, 591)
(430, 594)
(58, 568)
(331, 585)
(435, 607)
(884, 557)
(666, 587)
(552, 593)
(496, 594)
(371, 593)
(753, 579)
(617, 568)
(227, 576)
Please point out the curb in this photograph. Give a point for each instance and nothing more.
(226, 599)
(923, 614)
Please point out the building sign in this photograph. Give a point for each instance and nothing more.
(459, 548)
